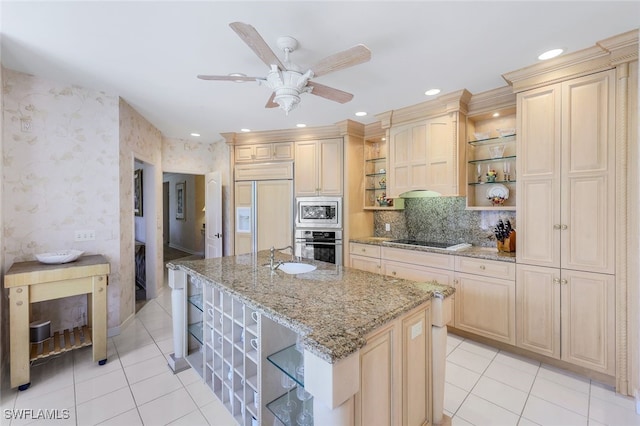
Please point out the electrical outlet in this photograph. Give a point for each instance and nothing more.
(387, 227)
(85, 235)
(25, 125)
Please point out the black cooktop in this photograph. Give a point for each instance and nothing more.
(422, 243)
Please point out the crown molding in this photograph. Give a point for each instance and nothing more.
(374, 131)
(289, 135)
(482, 105)
(444, 104)
(606, 54)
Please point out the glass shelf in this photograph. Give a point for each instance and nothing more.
(499, 139)
(276, 406)
(197, 331)
(374, 160)
(492, 183)
(376, 189)
(287, 360)
(489, 160)
(376, 174)
(196, 300)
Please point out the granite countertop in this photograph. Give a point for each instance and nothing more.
(489, 253)
(333, 307)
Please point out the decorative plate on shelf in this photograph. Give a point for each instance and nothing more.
(497, 194)
(60, 256)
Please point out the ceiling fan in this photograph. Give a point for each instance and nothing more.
(286, 79)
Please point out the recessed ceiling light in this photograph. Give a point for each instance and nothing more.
(432, 92)
(496, 114)
(301, 125)
(195, 134)
(361, 113)
(245, 130)
(550, 54)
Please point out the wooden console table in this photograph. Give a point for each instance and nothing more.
(30, 282)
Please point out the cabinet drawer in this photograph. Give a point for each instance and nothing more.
(364, 250)
(417, 273)
(434, 260)
(487, 268)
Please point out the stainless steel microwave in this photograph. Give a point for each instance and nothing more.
(319, 212)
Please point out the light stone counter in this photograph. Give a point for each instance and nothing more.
(488, 253)
(333, 307)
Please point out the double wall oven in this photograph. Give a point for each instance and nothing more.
(318, 232)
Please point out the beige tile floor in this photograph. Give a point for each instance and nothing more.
(484, 386)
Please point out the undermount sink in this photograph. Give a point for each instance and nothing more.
(296, 268)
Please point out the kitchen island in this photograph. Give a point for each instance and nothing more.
(371, 345)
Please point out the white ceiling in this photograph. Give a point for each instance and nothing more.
(150, 52)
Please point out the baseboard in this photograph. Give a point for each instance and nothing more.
(177, 247)
(114, 331)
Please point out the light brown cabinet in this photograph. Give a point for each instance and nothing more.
(566, 175)
(264, 152)
(395, 373)
(568, 315)
(566, 221)
(318, 167)
(485, 298)
(365, 257)
(424, 155)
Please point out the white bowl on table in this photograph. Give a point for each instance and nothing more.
(59, 256)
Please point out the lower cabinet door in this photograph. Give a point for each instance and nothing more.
(588, 320)
(374, 404)
(416, 369)
(538, 309)
(486, 306)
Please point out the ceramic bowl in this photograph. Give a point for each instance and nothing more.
(60, 256)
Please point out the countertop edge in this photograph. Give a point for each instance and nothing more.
(487, 253)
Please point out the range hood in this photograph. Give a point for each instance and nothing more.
(419, 193)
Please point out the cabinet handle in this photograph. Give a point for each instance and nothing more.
(564, 227)
(556, 280)
(364, 250)
(483, 267)
(563, 281)
(556, 226)
(455, 282)
(393, 272)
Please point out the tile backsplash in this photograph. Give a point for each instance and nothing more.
(441, 219)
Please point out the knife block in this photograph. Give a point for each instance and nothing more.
(509, 243)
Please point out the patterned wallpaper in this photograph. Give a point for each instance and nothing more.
(60, 174)
(140, 140)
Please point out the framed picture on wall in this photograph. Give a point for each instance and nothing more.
(181, 196)
(137, 192)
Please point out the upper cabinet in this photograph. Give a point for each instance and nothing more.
(566, 167)
(318, 168)
(264, 152)
(424, 146)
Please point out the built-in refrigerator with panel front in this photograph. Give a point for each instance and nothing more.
(263, 206)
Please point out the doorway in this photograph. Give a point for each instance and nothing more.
(144, 233)
(183, 215)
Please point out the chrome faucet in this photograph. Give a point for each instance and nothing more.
(272, 253)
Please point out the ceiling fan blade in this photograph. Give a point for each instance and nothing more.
(227, 77)
(329, 93)
(347, 58)
(253, 39)
(270, 103)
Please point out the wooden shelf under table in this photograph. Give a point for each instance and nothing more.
(61, 342)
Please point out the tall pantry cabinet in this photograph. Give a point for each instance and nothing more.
(566, 221)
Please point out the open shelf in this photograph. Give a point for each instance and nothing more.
(288, 360)
(278, 405)
(62, 341)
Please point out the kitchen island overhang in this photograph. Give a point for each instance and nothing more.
(333, 308)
